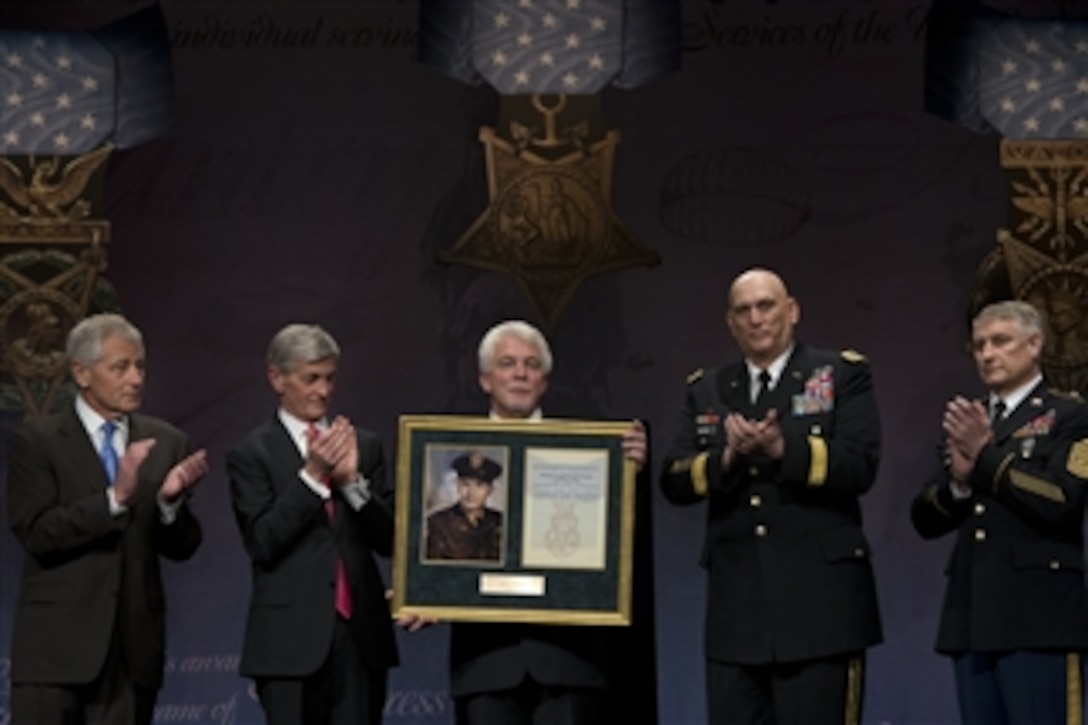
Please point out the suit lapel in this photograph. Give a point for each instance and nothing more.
(281, 447)
(78, 446)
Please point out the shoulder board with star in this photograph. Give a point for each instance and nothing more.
(1066, 394)
(853, 356)
(695, 376)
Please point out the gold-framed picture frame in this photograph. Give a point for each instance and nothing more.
(513, 521)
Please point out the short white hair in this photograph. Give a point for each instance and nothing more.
(513, 328)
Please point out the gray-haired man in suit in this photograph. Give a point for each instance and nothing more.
(96, 494)
(521, 674)
(310, 500)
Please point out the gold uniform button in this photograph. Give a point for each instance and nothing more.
(980, 534)
(753, 471)
(761, 530)
(980, 509)
(755, 500)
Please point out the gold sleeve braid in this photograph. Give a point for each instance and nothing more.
(1037, 486)
(695, 467)
(931, 499)
(699, 481)
(1002, 467)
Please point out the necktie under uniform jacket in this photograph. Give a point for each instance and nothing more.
(1015, 579)
(86, 571)
(293, 548)
(790, 577)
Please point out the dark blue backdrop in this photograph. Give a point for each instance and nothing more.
(314, 170)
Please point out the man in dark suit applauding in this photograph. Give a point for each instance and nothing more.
(781, 445)
(311, 503)
(96, 494)
(1011, 484)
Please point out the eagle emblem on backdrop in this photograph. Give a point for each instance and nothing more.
(1026, 79)
(67, 102)
(549, 223)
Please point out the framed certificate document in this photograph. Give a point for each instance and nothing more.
(513, 521)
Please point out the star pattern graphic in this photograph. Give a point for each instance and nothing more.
(548, 46)
(1034, 79)
(56, 92)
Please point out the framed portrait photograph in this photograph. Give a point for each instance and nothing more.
(513, 521)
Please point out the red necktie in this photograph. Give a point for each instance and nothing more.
(343, 590)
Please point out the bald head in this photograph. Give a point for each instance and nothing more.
(761, 315)
(758, 277)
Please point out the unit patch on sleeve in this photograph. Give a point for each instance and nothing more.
(1077, 464)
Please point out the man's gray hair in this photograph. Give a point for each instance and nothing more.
(1018, 311)
(513, 328)
(298, 344)
(86, 338)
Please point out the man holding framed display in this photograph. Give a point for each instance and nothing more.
(526, 673)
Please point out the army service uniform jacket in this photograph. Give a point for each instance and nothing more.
(789, 566)
(1015, 580)
(451, 535)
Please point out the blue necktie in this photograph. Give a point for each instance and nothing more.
(107, 452)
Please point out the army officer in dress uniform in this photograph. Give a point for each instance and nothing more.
(468, 530)
(1011, 485)
(781, 445)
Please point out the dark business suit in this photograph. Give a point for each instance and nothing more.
(90, 580)
(294, 548)
(790, 579)
(567, 667)
(491, 660)
(1015, 580)
(575, 675)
